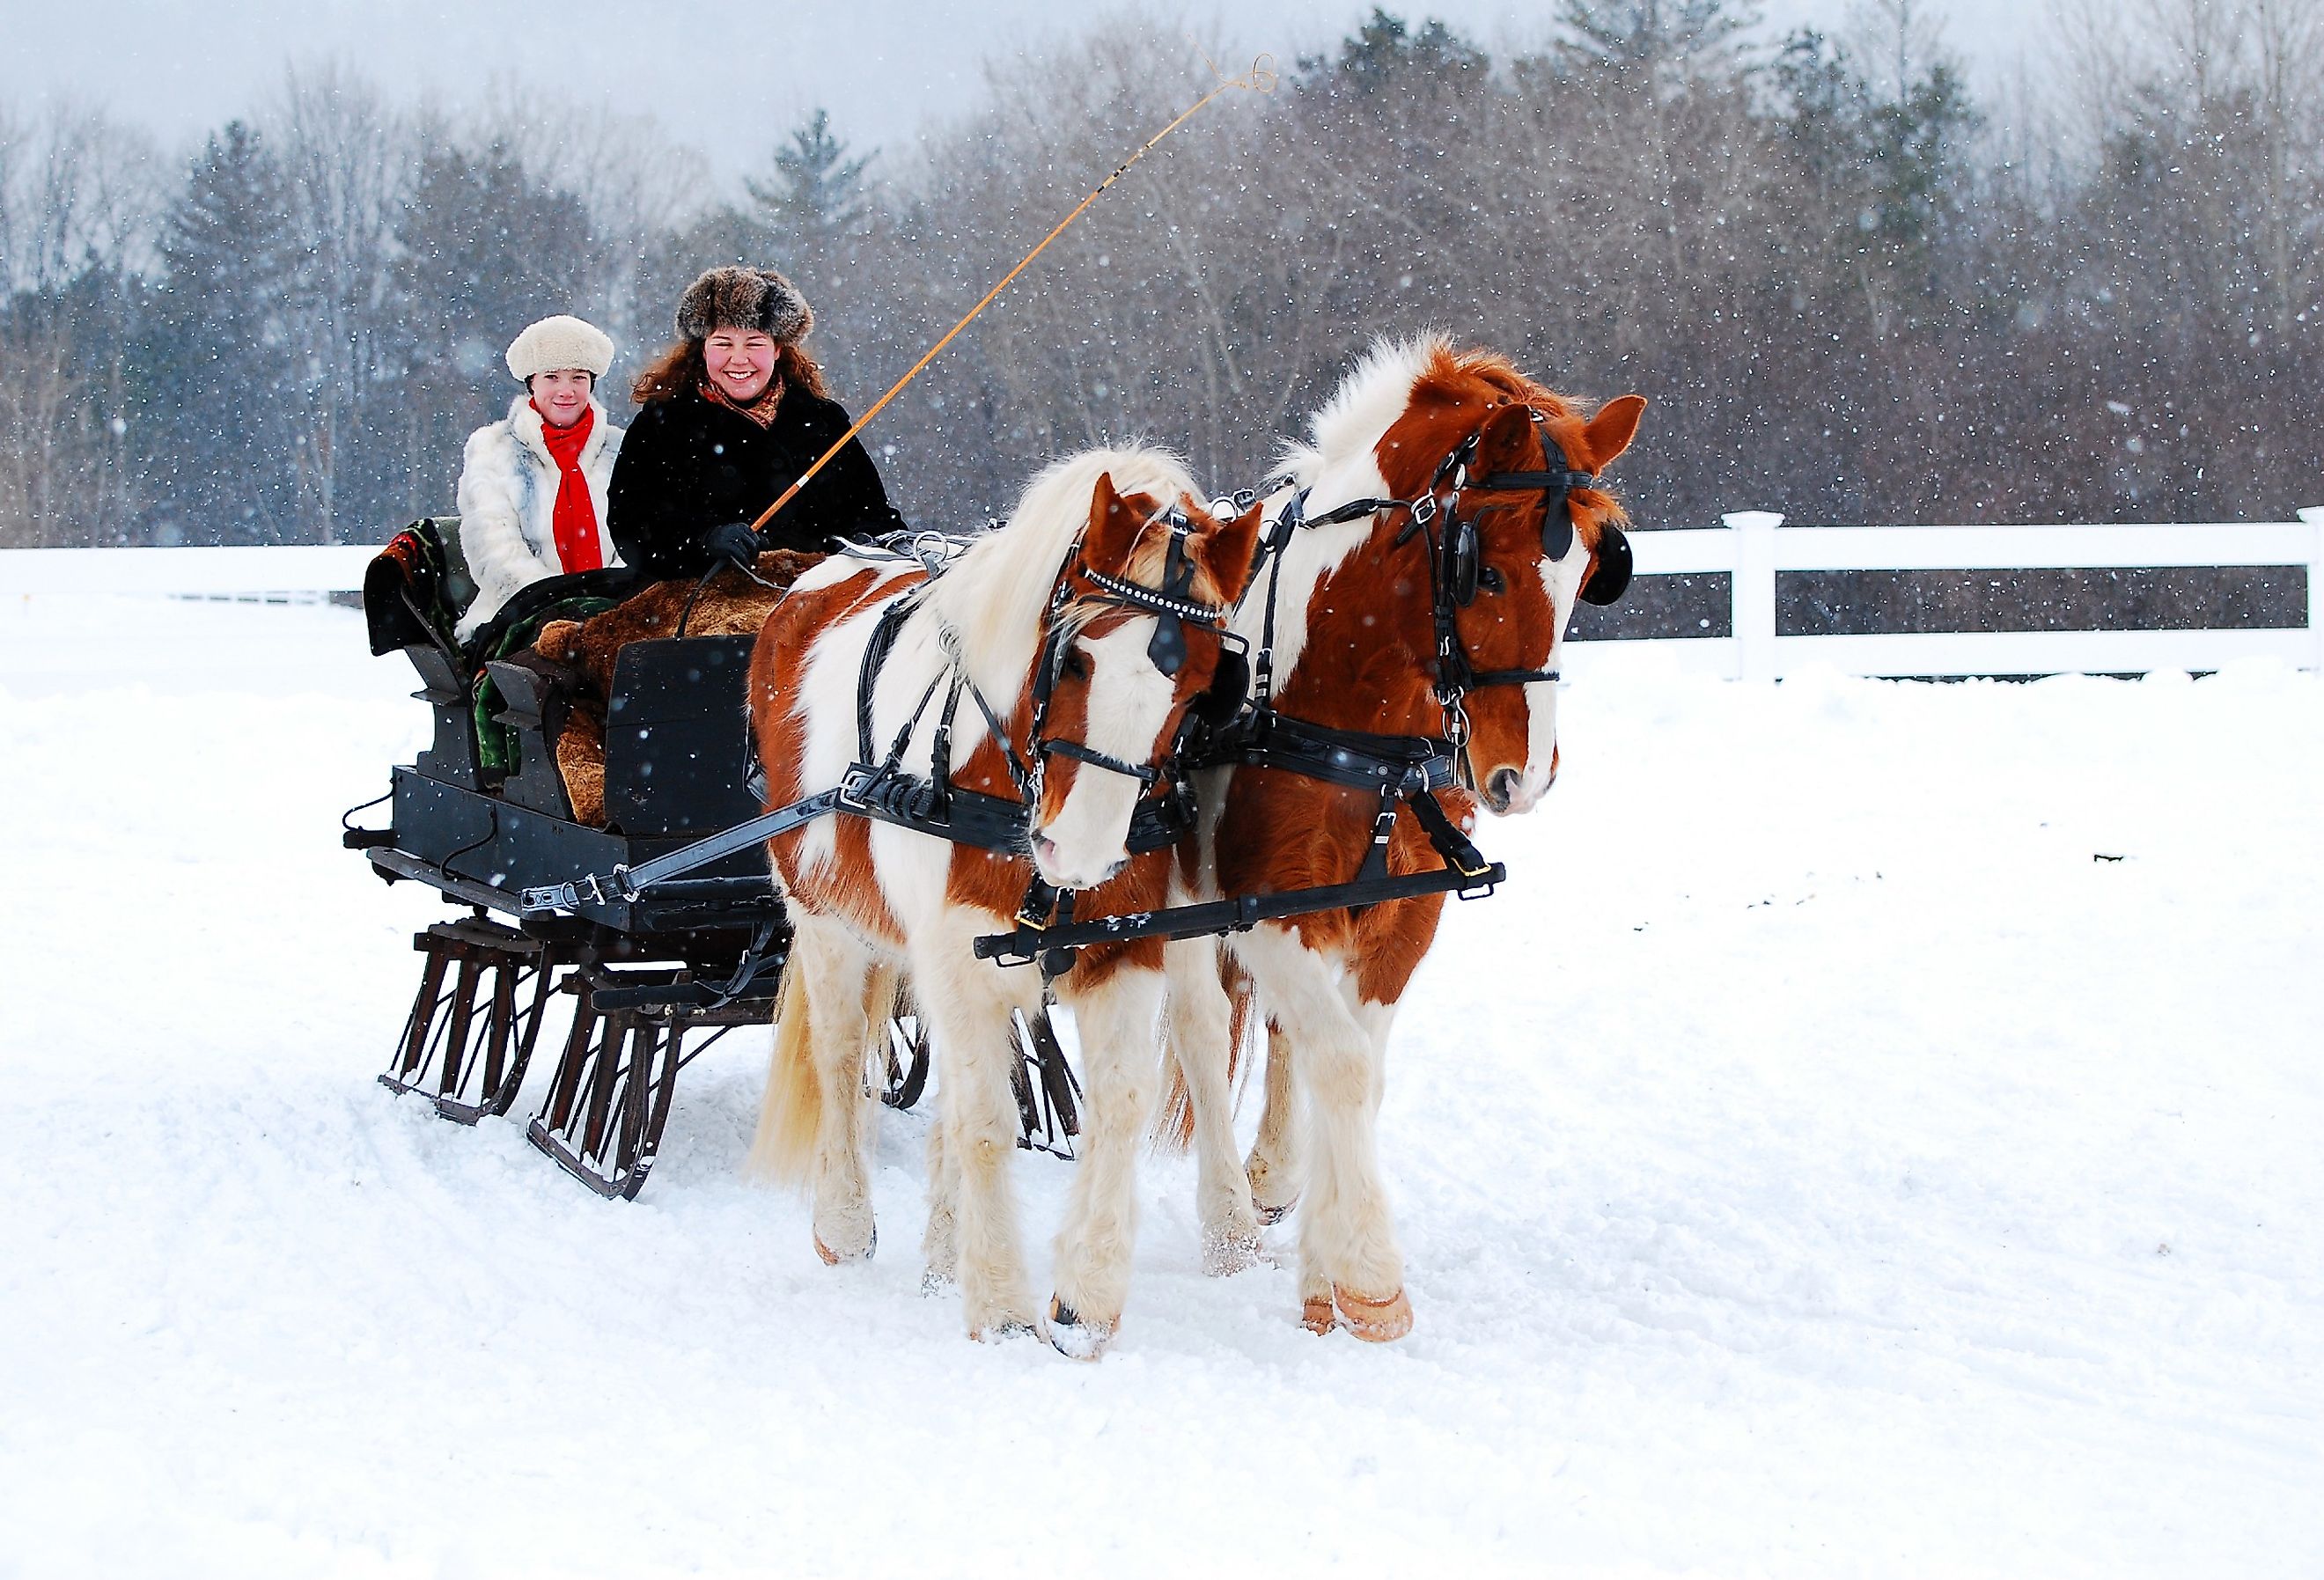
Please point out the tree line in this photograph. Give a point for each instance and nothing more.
(1853, 292)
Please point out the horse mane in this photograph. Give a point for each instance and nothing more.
(993, 596)
(1338, 459)
(1377, 390)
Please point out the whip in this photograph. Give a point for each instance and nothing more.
(1260, 79)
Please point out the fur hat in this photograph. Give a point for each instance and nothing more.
(563, 341)
(745, 299)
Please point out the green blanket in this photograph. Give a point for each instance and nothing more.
(496, 742)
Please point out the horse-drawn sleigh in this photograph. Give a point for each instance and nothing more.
(1198, 764)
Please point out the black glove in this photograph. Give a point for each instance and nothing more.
(736, 542)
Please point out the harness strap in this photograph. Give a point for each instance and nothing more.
(1268, 739)
(625, 883)
(1097, 759)
(875, 658)
(1024, 945)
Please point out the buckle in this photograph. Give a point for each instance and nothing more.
(1424, 509)
(1480, 883)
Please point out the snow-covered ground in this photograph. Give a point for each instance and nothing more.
(1814, 1163)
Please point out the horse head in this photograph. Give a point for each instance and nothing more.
(1518, 531)
(1137, 640)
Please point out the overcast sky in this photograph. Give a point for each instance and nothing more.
(727, 78)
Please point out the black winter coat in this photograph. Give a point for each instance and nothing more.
(688, 465)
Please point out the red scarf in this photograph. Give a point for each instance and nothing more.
(577, 517)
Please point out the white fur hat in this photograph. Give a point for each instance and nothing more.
(563, 341)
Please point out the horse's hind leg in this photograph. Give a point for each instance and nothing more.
(1202, 1042)
(841, 977)
(1273, 1166)
(969, 1012)
(940, 1245)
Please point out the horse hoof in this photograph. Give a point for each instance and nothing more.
(1230, 1252)
(999, 1332)
(1375, 1322)
(1268, 1217)
(1317, 1317)
(1072, 1337)
(832, 1258)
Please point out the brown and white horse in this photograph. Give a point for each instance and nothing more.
(1086, 551)
(1358, 648)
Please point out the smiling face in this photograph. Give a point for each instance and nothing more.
(562, 395)
(739, 362)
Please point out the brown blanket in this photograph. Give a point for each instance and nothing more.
(731, 605)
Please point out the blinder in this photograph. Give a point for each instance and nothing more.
(1172, 604)
(1463, 557)
(1610, 578)
(1166, 650)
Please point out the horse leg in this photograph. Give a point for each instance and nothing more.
(1117, 1018)
(1348, 1254)
(940, 1245)
(1272, 1167)
(968, 1010)
(1201, 1039)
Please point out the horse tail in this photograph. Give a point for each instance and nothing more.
(783, 1150)
(1174, 1123)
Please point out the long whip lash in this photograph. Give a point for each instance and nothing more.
(1260, 79)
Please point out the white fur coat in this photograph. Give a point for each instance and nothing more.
(508, 504)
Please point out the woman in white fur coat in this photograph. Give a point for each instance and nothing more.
(532, 485)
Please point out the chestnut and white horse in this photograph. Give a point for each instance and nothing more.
(1361, 644)
(1092, 621)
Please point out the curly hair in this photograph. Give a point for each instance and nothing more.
(681, 368)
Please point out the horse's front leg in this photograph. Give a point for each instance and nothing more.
(969, 1012)
(1348, 1252)
(1116, 1006)
(1202, 1042)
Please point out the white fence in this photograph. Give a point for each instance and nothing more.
(1755, 545)
(1750, 548)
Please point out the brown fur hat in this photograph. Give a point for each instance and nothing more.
(745, 299)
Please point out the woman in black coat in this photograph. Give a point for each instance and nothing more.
(732, 414)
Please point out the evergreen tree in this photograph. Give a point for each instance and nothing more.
(1385, 49)
(217, 379)
(1893, 170)
(1669, 43)
(487, 249)
(816, 194)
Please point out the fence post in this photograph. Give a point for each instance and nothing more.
(2313, 515)
(1752, 618)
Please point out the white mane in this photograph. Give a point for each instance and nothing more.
(1337, 463)
(1366, 403)
(993, 594)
